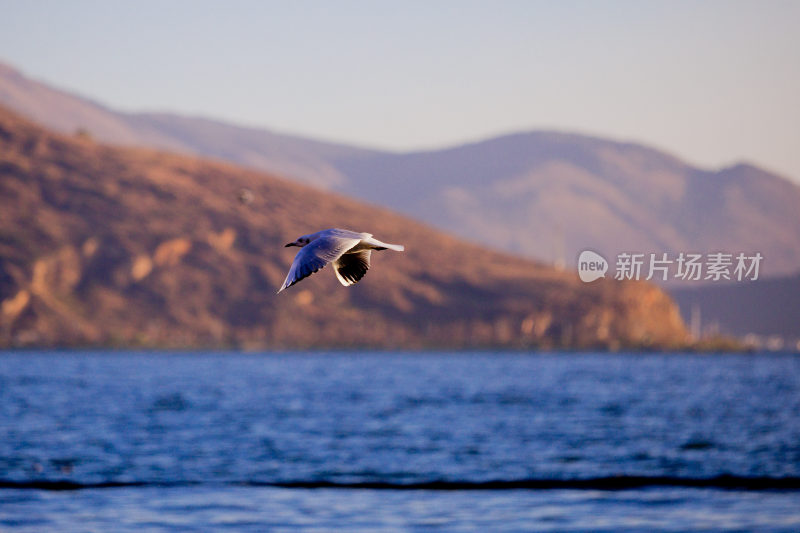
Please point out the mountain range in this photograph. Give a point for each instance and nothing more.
(545, 195)
(110, 246)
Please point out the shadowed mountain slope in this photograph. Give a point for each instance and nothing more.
(111, 246)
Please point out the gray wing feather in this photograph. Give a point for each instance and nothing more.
(316, 255)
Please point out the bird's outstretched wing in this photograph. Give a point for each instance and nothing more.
(350, 268)
(316, 255)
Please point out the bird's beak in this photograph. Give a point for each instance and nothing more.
(290, 244)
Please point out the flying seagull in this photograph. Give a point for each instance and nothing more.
(349, 252)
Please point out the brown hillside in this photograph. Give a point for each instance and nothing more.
(109, 246)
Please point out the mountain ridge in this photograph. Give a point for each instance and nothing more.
(67, 113)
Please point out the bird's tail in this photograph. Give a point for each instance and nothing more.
(384, 246)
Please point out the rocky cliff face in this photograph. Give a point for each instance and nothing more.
(106, 246)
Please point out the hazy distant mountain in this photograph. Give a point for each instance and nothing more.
(303, 159)
(549, 195)
(113, 246)
(543, 194)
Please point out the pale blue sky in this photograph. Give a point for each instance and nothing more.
(712, 82)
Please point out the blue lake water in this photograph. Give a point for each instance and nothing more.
(125, 441)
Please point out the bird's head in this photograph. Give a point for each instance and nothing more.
(300, 242)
